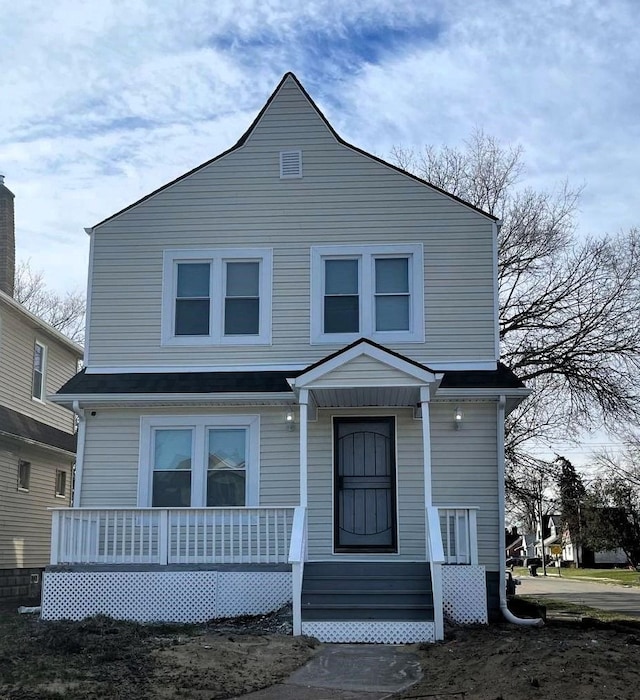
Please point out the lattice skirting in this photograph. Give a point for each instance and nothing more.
(464, 594)
(172, 596)
(377, 632)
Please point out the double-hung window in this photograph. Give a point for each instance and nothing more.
(217, 296)
(369, 291)
(199, 461)
(38, 380)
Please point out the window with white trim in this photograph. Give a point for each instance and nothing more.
(199, 461)
(39, 366)
(367, 291)
(217, 296)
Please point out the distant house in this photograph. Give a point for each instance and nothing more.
(37, 437)
(292, 394)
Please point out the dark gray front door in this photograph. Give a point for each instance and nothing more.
(365, 513)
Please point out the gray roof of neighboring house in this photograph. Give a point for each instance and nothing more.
(17, 425)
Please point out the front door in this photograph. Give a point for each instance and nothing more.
(364, 469)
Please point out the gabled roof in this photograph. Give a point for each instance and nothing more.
(41, 325)
(243, 139)
(17, 425)
(362, 346)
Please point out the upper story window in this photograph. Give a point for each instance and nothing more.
(199, 461)
(367, 291)
(39, 366)
(217, 296)
(24, 475)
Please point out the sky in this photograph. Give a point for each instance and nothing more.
(103, 102)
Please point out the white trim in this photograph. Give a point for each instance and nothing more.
(303, 400)
(87, 318)
(216, 257)
(366, 255)
(477, 392)
(426, 445)
(161, 369)
(308, 378)
(496, 291)
(437, 366)
(79, 471)
(199, 425)
(234, 398)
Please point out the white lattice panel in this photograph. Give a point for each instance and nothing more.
(379, 632)
(252, 592)
(464, 594)
(171, 596)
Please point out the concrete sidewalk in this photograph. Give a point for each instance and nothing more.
(348, 672)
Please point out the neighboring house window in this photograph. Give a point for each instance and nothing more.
(39, 364)
(217, 296)
(199, 461)
(24, 475)
(61, 483)
(370, 291)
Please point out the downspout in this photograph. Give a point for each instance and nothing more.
(508, 615)
(77, 482)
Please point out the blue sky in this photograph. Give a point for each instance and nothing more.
(102, 103)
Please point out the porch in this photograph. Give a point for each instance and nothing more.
(196, 564)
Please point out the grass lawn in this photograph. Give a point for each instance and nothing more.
(623, 577)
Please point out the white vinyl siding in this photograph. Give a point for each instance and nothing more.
(409, 478)
(25, 522)
(365, 371)
(465, 469)
(110, 470)
(239, 200)
(16, 371)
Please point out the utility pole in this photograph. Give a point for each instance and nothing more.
(544, 559)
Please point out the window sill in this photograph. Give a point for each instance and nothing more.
(379, 337)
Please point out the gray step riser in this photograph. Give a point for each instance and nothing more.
(366, 586)
(368, 600)
(337, 615)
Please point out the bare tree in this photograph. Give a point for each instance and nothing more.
(569, 306)
(65, 312)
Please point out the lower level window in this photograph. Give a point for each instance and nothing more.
(198, 461)
(24, 475)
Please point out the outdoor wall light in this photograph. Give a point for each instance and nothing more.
(289, 419)
(457, 417)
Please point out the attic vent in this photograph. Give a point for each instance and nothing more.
(290, 164)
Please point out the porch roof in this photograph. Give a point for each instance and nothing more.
(18, 426)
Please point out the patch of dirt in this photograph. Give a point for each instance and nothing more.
(100, 659)
(581, 661)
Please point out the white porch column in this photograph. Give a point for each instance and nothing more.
(303, 400)
(426, 444)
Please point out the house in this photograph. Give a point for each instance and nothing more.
(292, 393)
(37, 437)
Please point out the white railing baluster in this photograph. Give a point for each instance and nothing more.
(171, 535)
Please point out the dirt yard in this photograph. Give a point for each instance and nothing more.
(99, 659)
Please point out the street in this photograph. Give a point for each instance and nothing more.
(611, 597)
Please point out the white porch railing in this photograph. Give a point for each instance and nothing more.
(459, 535)
(435, 557)
(171, 535)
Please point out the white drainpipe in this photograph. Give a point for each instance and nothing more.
(509, 616)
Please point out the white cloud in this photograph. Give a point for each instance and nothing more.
(110, 100)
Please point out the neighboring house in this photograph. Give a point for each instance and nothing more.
(292, 393)
(522, 547)
(37, 437)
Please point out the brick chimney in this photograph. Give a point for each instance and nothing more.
(7, 240)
